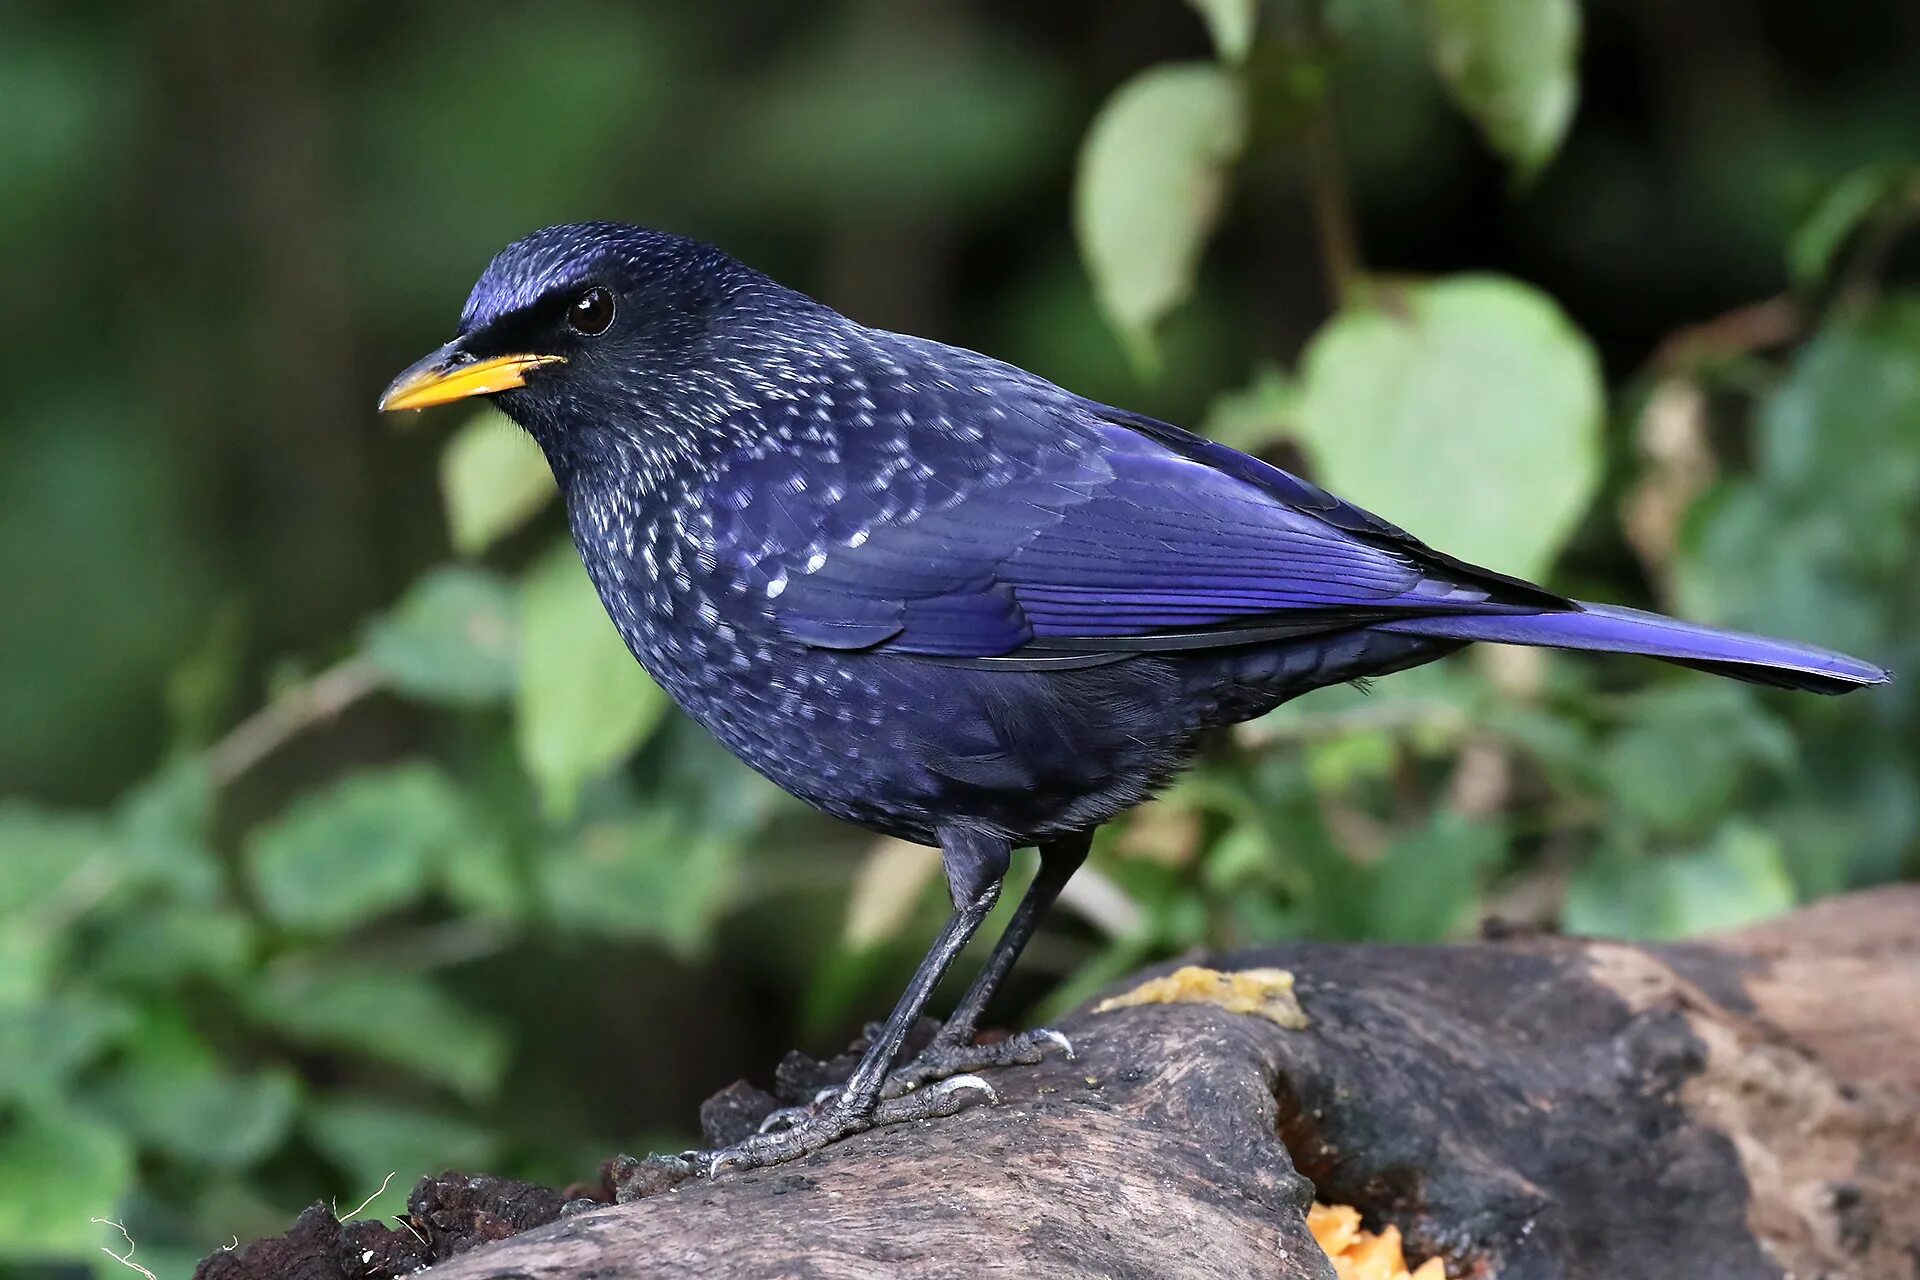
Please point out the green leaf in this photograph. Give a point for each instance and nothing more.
(161, 946)
(1845, 207)
(361, 847)
(1230, 23)
(1817, 545)
(166, 834)
(1428, 884)
(1468, 411)
(1255, 416)
(1513, 66)
(57, 1172)
(493, 479)
(1686, 749)
(51, 863)
(643, 877)
(175, 1096)
(370, 1139)
(44, 1043)
(1152, 175)
(54, 868)
(398, 1018)
(584, 705)
(1737, 880)
(452, 639)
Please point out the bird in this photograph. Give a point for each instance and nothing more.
(940, 597)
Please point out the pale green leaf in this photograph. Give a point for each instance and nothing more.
(493, 479)
(584, 705)
(1151, 179)
(452, 639)
(1256, 415)
(1230, 23)
(361, 847)
(1513, 66)
(57, 1172)
(1467, 411)
(394, 1017)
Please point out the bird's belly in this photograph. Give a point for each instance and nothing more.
(904, 745)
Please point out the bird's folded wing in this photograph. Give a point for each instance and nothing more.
(1066, 532)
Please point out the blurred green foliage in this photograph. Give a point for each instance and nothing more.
(344, 838)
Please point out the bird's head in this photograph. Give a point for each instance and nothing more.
(576, 329)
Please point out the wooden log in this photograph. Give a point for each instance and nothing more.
(1742, 1108)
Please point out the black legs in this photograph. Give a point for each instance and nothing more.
(1058, 861)
(878, 1093)
(975, 865)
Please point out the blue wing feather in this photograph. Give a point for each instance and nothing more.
(1059, 526)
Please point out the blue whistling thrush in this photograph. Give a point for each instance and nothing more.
(938, 596)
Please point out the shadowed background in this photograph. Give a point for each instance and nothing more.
(342, 838)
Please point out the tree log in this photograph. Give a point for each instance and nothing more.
(1741, 1108)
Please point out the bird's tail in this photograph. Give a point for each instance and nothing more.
(1610, 629)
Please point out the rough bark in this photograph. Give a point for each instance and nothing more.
(1737, 1109)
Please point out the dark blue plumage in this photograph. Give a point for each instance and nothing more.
(935, 594)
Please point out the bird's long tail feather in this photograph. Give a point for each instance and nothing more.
(1610, 629)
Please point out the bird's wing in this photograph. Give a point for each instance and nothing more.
(1036, 530)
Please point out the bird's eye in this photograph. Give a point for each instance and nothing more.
(591, 312)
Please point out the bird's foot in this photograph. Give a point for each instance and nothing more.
(945, 1059)
(792, 1132)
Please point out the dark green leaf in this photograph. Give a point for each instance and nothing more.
(370, 1139)
(393, 1017)
(1840, 213)
(361, 847)
(42, 1044)
(163, 945)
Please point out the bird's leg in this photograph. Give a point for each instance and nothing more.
(953, 1050)
(975, 865)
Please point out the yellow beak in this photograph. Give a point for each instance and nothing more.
(448, 375)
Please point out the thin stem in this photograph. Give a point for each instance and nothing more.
(1332, 206)
(268, 729)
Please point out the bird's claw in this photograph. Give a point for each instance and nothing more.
(787, 1117)
(945, 1059)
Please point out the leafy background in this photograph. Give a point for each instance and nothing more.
(343, 840)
